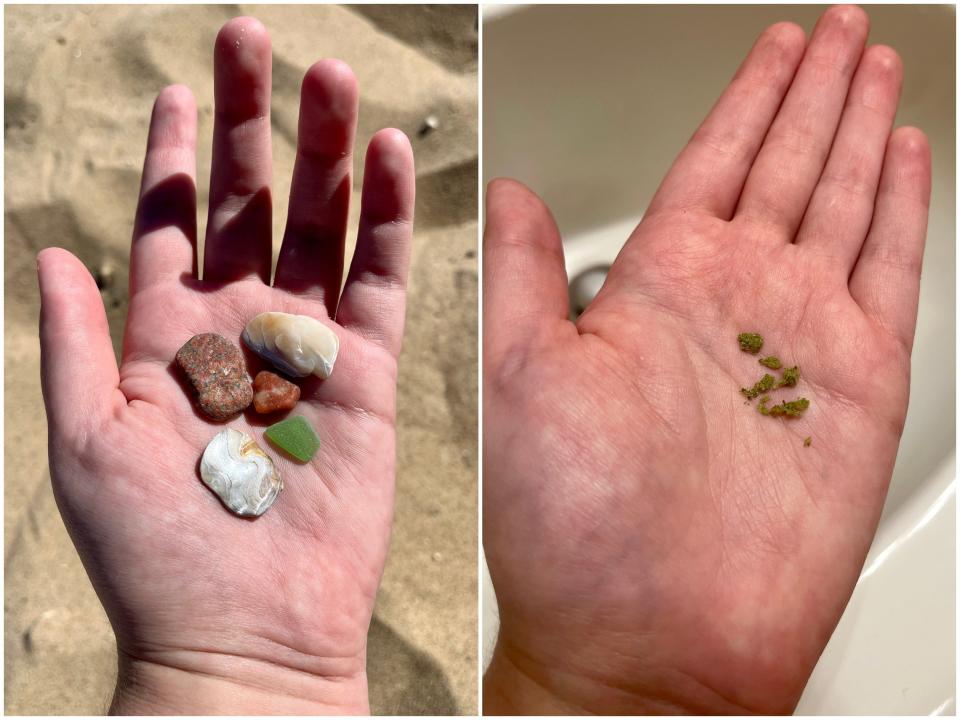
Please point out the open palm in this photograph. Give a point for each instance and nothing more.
(212, 611)
(657, 544)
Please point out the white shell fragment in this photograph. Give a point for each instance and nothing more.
(296, 344)
(240, 473)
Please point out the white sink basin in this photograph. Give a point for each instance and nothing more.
(588, 106)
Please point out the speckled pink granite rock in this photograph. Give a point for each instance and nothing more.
(215, 368)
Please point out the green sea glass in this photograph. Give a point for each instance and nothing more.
(295, 436)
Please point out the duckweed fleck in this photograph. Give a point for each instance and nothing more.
(767, 382)
(791, 408)
(790, 377)
(750, 342)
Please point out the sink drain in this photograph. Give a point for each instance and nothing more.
(584, 288)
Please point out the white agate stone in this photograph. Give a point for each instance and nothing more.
(296, 344)
(240, 473)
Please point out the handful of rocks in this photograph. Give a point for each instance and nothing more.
(234, 466)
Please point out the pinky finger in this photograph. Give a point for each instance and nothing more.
(886, 279)
(373, 298)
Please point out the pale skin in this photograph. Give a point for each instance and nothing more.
(656, 545)
(214, 613)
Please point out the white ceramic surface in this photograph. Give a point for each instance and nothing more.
(588, 106)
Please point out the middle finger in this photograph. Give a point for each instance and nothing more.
(239, 223)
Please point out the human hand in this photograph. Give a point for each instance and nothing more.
(655, 544)
(214, 613)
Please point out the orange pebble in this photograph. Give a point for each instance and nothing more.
(272, 393)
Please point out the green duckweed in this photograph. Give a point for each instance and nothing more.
(767, 382)
(790, 377)
(750, 342)
(788, 408)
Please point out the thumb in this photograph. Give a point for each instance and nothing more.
(524, 279)
(78, 369)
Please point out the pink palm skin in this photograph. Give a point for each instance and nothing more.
(214, 613)
(656, 544)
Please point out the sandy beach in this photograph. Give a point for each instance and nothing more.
(79, 85)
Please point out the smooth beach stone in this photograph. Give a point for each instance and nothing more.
(295, 436)
(216, 370)
(272, 393)
(295, 344)
(240, 473)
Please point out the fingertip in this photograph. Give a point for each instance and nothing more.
(46, 261)
(243, 37)
(390, 153)
(329, 103)
(885, 61)
(851, 18)
(909, 164)
(393, 141)
(57, 268)
(331, 92)
(788, 37)
(176, 100)
(389, 177)
(507, 185)
(516, 215)
(511, 201)
(173, 123)
(49, 256)
(909, 148)
(501, 189)
(54, 252)
(839, 37)
(330, 75)
(911, 141)
(242, 70)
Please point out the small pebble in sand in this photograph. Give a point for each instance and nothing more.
(105, 275)
(430, 123)
(215, 368)
(272, 393)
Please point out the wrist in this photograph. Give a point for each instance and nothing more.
(227, 685)
(509, 690)
(517, 682)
